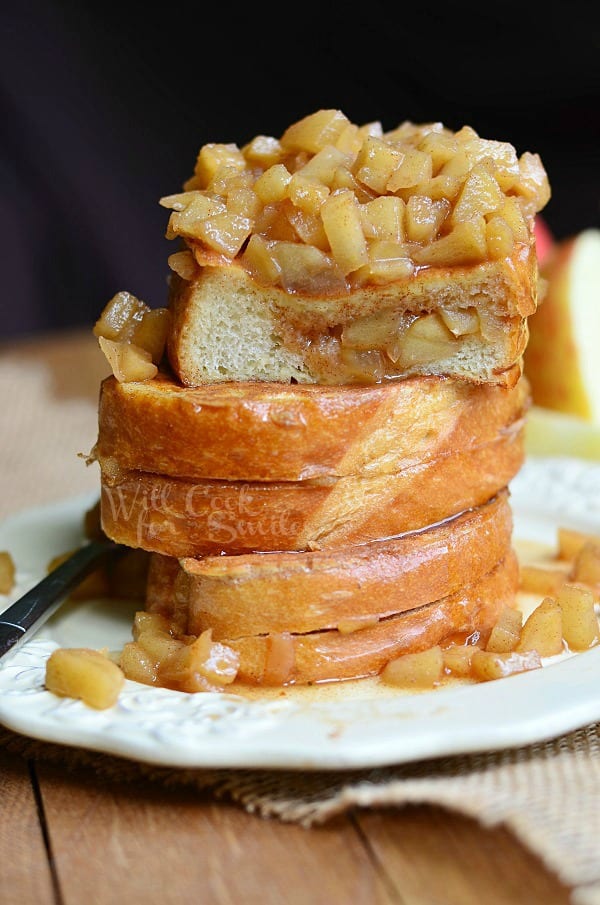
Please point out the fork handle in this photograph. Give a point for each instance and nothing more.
(27, 614)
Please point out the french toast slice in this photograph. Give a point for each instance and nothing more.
(255, 594)
(334, 655)
(340, 253)
(224, 326)
(281, 658)
(254, 431)
(178, 517)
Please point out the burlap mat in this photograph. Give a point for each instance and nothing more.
(547, 794)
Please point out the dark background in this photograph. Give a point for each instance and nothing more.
(104, 109)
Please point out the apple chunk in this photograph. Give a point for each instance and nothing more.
(561, 360)
(421, 669)
(543, 631)
(83, 673)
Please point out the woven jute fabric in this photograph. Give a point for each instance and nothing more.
(548, 794)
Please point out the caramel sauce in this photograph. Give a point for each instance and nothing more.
(371, 687)
(366, 688)
(277, 682)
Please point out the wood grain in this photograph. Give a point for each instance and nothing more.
(146, 844)
(25, 876)
(149, 846)
(437, 857)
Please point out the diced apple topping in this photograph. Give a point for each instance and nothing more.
(387, 261)
(419, 670)
(586, 565)
(259, 261)
(183, 264)
(263, 150)
(376, 162)
(543, 579)
(120, 317)
(271, 186)
(411, 342)
(306, 195)
(579, 621)
(280, 659)
(498, 237)
(426, 340)
(458, 659)
(86, 674)
(363, 366)
(424, 217)
(158, 656)
(132, 335)
(304, 266)
(356, 623)
(480, 194)
(488, 665)
(416, 167)
(138, 665)
(150, 335)
(341, 221)
(532, 184)
(460, 321)
(306, 225)
(571, 541)
(212, 157)
(445, 198)
(383, 218)
(201, 665)
(128, 361)
(506, 633)
(542, 630)
(225, 233)
(464, 244)
(190, 210)
(512, 213)
(564, 620)
(315, 132)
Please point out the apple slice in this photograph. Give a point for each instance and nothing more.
(552, 433)
(544, 240)
(562, 359)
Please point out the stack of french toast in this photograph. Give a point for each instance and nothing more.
(314, 438)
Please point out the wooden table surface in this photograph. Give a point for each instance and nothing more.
(69, 838)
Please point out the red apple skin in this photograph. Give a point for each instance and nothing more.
(551, 361)
(544, 240)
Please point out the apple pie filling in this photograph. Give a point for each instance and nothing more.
(389, 343)
(331, 206)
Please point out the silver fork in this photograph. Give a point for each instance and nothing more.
(26, 615)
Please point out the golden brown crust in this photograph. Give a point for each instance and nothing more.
(196, 518)
(275, 432)
(331, 655)
(236, 596)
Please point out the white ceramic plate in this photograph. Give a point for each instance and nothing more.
(338, 726)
